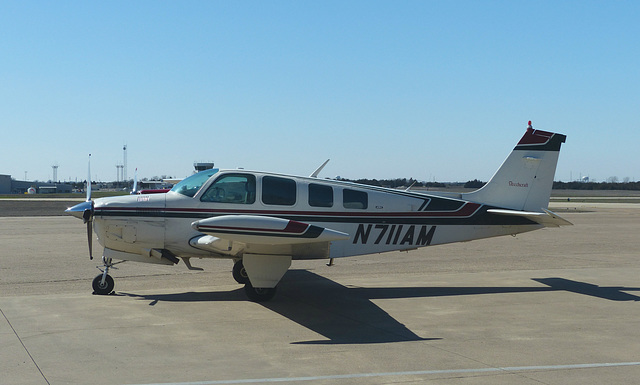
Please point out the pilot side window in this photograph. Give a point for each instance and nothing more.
(232, 188)
(352, 199)
(278, 191)
(320, 195)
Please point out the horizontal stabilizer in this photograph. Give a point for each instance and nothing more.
(546, 218)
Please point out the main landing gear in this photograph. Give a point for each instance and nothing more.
(103, 283)
(255, 294)
(240, 273)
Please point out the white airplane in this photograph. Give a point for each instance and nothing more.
(262, 221)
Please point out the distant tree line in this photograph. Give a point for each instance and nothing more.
(575, 185)
(404, 182)
(596, 186)
(395, 183)
(391, 183)
(474, 184)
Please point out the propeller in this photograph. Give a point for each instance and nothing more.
(84, 211)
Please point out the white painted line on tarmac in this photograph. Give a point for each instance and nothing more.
(411, 373)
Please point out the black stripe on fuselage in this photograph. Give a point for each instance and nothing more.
(478, 218)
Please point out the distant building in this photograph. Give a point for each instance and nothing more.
(11, 186)
(5, 184)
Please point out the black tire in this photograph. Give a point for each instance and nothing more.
(259, 294)
(239, 273)
(105, 289)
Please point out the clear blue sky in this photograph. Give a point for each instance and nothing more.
(426, 89)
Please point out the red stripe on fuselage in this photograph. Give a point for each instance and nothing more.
(467, 210)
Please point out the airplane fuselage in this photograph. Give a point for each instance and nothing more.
(375, 219)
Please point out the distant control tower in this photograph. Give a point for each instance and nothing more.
(55, 173)
(201, 166)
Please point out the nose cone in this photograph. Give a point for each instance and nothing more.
(79, 209)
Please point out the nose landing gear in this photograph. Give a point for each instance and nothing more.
(103, 283)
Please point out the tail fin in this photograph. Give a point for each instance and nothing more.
(525, 179)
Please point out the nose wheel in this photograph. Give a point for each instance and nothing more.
(103, 283)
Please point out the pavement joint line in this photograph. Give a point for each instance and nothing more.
(505, 370)
(24, 347)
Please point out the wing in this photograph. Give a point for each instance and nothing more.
(263, 230)
(267, 244)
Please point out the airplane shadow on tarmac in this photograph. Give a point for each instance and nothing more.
(346, 315)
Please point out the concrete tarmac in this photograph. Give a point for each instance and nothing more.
(555, 306)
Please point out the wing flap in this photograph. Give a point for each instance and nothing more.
(546, 218)
(264, 230)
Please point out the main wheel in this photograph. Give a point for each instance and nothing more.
(239, 273)
(103, 288)
(257, 294)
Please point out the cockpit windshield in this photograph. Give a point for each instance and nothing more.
(190, 186)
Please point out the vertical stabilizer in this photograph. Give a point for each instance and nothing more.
(525, 179)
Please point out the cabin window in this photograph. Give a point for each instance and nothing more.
(352, 199)
(320, 195)
(232, 188)
(278, 191)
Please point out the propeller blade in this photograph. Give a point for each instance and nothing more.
(90, 238)
(85, 210)
(89, 180)
(87, 217)
(135, 182)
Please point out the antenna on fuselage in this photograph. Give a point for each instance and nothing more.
(315, 173)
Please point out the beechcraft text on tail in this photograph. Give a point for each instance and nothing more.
(262, 221)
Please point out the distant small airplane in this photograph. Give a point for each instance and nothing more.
(135, 190)
(153, 191)
(262, 221)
